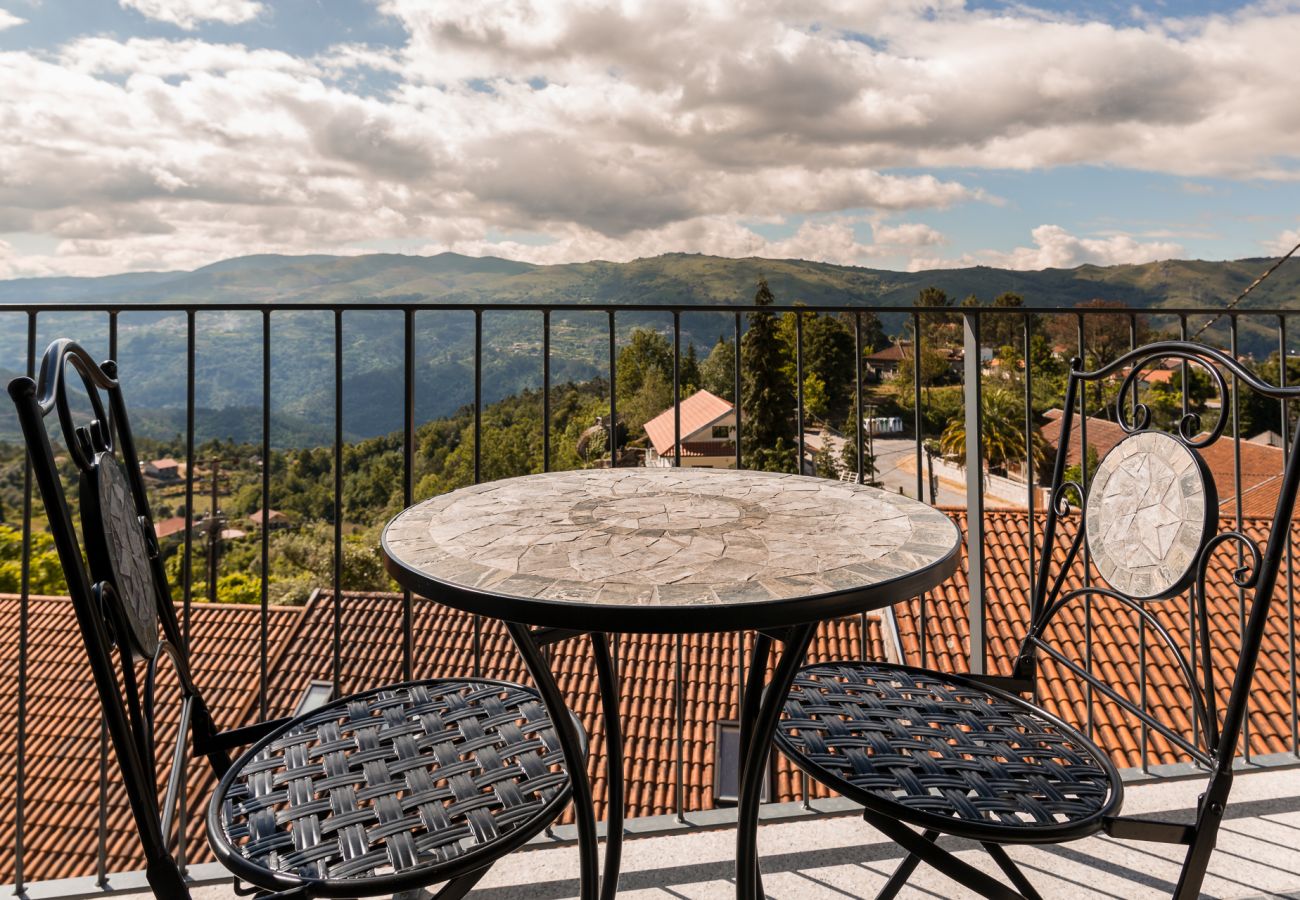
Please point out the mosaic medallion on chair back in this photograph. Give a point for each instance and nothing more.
(116, 547)
(1151, 507)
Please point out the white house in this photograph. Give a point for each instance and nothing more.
(708, 429)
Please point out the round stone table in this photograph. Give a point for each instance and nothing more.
(668, 551)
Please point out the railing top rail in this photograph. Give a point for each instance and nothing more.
(419, 305)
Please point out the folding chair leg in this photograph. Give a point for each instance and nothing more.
(1012, 871)
(1198, 858)
(903, 872)
(958, 870)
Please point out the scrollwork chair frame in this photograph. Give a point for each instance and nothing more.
(842, 721)
(124, 631)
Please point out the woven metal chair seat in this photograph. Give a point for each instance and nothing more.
(391, 789)
(945, 752)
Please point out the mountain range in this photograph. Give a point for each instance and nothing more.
(228, 358)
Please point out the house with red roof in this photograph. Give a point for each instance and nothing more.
(708, 434)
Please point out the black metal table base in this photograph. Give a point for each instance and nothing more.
(595, 885)
(760, 711)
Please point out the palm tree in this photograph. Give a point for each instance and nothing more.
(1002, 421)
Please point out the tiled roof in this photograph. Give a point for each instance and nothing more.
(63, 731)
(443, 641)
(63, 717)
(168, 527)
(946, 634)
(1261, 464)
(698, 410)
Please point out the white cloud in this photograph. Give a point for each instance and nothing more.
(1056, 248)
(9, 20)
(618, 128)
(188, 14)
(1284, 242)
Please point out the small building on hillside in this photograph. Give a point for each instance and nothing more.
(887, 361)
(273, 517)
(708, 430)
(165, 470)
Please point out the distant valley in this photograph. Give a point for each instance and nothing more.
(228, 364)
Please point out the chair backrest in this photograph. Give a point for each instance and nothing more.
(119, 590)
(1149, 530)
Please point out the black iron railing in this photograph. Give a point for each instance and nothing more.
(1022, 327)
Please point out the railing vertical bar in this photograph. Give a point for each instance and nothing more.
(1238, 509)
(101, 826)
(918, 426)
(546, 390)
(478, 461)
(408, 477)
(737, 387)
(1083, 483)
(974, 489)
(337, 638)
(1287, 450)
(1029, 438)
(677, 388)
(1144, 733)
(101, 830)
(798, 391)
(24, 638)
(859, 438)
(1193, 656)
(613, 391)
(188, 563)
(263, 650)
(679, 697)
(917, 423)
(478, 395)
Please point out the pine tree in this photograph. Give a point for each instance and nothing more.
(767, 428)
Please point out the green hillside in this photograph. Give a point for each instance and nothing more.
(228, 365)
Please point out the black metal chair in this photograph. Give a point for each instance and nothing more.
(968, 756)
(384, 792)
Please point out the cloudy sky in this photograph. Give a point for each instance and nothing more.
(166, 134)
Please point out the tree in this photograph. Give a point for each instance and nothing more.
(766, 426)
(937, 329)
(646, 350)
(717, 372)
(1002, 423)
(1004, 329)
(825, 465)
(688, 372)
(849, 454)
(45, 572)
(1074, 475)
(1257, 412)
(816, 397)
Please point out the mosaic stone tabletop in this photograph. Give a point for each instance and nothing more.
(1148, 512)
(668, 537)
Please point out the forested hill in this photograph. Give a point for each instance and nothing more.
(228, 365)
(671, 278)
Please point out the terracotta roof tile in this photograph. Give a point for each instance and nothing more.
(941, 625)
(63, 730)
(63, 738)
(698, 410)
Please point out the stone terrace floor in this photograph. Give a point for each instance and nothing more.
(834, 857)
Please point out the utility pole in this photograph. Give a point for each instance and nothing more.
(215, 522)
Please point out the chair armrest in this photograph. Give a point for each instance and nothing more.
(1132, 828)
(240, 737)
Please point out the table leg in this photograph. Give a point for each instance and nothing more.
(607, 675)
(762, 710)
(571, 745)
